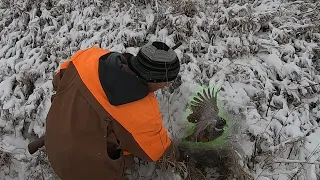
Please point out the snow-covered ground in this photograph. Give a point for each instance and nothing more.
(265, 55)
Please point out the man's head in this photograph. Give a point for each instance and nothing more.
(156, 64)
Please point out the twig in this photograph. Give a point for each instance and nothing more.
(294, 140)
(309, 85)
(301, 167)
(295, 161)
(269, 103)
(157, 6)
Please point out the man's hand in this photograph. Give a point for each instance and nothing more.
(172, 153)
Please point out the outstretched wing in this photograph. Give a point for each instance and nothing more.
(203, 104)
(209, 125)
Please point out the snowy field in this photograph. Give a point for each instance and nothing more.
(265, 54)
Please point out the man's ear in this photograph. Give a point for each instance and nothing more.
(127, 57)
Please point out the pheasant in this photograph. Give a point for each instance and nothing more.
(209, 125)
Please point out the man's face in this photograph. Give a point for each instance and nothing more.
(160, 85)
(164, 85)
(167, 84)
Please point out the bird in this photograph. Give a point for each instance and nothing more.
(208, 125)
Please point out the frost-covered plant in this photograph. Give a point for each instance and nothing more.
(40, 168)
(5, 160)
(264, 54)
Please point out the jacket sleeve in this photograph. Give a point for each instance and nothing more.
(148, 142)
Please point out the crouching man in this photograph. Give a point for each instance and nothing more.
(104, 111)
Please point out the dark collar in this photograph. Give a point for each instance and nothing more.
(120, 86)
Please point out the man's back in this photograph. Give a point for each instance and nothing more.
(84, 132)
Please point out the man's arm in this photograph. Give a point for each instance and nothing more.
(148, 142)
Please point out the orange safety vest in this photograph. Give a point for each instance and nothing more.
(140, 119)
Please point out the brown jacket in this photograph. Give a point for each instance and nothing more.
(89, 138)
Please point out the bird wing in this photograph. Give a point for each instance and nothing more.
(202, 104)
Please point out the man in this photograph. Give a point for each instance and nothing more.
(104, 111)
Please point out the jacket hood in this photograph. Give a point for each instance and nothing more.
(120, 86)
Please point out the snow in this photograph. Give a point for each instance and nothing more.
(263, 54)
(5, 87)
(274, 61)
(2, 123)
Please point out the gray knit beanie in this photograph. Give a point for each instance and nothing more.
(155, 62)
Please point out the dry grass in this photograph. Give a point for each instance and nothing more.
(187, 7)
(185, 170)
(192, 163)
(5, 159)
